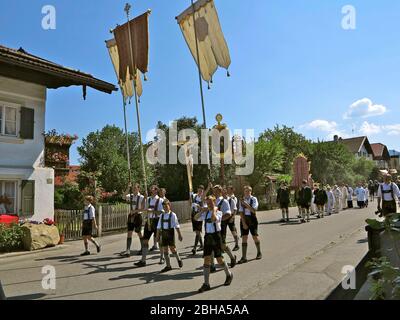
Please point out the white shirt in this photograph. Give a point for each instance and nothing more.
(233, 203)
(388, 196)
(360, 193)
(197, 203)
(165, 216)
(152, 201)
(366, 194)
(210, 226)
(331, 196)
(224, 206)
(254, 201)
(337, 193)
(137, 200)
(350, 193)
(89, 213)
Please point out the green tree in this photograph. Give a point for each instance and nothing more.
(331, 163)
(104, 152)
(294, 143)
(363, 168)
(173, 177)
(269, 158)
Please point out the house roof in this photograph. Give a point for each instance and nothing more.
(355, 144)
(394, 153)
(21, 65)
(380, 151)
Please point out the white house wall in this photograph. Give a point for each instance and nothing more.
(17, 152)
(24, 159)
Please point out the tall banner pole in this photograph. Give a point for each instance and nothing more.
(127, 153)
(201, 83)
(127, 10)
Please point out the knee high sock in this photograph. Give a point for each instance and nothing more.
(236, 240)
(94, 242)
(86, 244)
(178, 258)
(258, 246)
(200, 241)
(287, 214)
(128, 244)
(167, 259)
(144, 252)
(206, 272)
(226, 269)
(196, 241)
(229, 252)
(212, 260)
(283, 214)
(244, 250)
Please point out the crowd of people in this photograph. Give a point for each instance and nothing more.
(214, 211)
(324, 200)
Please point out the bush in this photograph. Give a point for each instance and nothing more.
(68, 197)
(10, 238)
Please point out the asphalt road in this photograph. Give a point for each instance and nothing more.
(323, 245)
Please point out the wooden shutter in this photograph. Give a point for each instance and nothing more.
(28, 198)
(27, 123)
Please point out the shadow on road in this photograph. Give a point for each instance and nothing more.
(33, 296)
(158, 277)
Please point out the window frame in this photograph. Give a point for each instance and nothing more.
(16, 190)
(17, 107)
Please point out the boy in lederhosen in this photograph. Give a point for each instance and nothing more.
(387, 193)
(283, 198)
(154, 208)
(249, 223)
(197, 202)
(212, 242)
(223, 206)
(167, 224)
(233, 202)
(89, 221)
(134, 218)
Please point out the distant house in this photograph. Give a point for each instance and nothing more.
(24, 79)
(70, 177)
(381, 156)
(359, 146)
(394, 160)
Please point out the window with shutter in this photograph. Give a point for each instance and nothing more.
(27, 123)
(27, 198)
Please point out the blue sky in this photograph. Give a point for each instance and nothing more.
(292, 63)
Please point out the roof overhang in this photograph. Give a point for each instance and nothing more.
(18, 64)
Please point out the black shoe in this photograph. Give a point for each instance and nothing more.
(86, 253)
(140, 264)
(194, 252)
(288, 220)
(236, 248)
(243, 260)
(98, 249)
(228, 280)
(166, 269)
(201, 248)
(233, 262)
(125, 254)
(282, 220)
(259, 256)
(180, 263)
(204, 287)
(162, 261)
(302, 221)
(213, 269)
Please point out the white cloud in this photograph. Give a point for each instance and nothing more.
(393, 130)
(364, 108)
(320, 125)
(369, 129)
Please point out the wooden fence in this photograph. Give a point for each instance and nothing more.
(110, 218)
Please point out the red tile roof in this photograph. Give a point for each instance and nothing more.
(380, 151)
